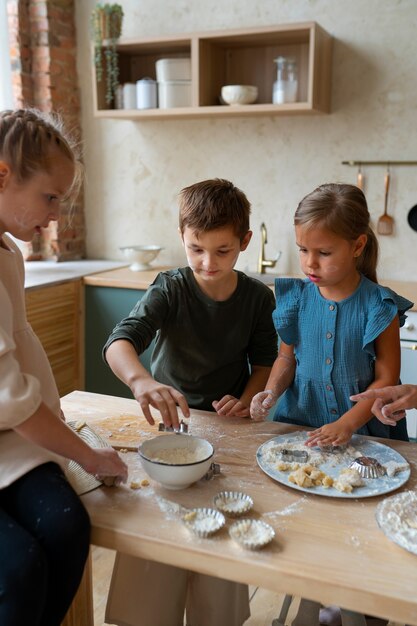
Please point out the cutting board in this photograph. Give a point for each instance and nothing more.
(124, 431)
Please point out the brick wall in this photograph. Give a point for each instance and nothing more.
(43, 54)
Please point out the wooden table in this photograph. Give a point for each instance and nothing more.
(326, 549)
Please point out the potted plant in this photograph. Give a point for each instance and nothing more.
(106, 24)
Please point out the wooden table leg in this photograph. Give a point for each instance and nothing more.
(81, 611)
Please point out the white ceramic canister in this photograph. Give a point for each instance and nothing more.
(146, 97)
(129, 96)
(175, 68)
(174, 93)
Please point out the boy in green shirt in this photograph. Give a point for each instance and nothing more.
(215, 344)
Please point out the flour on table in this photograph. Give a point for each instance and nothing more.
(397, 516)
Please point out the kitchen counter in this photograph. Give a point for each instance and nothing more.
(43, 273)
(124, 278)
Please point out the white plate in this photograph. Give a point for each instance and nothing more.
(335, 462)
(392, 514)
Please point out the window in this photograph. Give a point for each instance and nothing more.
(6, 96)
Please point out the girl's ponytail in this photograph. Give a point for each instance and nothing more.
(368, 260)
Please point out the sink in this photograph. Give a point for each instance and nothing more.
(267, 279)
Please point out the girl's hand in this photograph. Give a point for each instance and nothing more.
(261, 404)
(335, 434)
(105, 462)
(229, 406)
(390, 402)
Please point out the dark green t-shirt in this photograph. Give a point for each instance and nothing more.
(203, 348)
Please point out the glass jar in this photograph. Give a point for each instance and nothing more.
(292, 81)
(286, 85)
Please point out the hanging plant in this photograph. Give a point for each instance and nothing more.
(106, 25)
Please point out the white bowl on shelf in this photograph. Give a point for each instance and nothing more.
(176, 461)
(140, 257)
(239, 94)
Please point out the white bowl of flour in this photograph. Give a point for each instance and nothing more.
(176, 461)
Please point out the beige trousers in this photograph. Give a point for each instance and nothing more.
(146, 593)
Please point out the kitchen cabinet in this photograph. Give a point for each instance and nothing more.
(243, 56)
(55, 313)
(104, 308)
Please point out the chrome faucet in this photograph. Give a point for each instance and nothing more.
(263, 262)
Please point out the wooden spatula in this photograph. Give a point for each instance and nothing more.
(360, 179)
(385, 225)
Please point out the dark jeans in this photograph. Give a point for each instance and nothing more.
(44, 542)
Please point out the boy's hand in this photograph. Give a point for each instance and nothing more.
(261, 404)
(335, 434)
(230, 407)
(148, 392)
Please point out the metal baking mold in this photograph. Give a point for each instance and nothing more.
(368, 467)
(213, 470)
(252, 533)
(300, 456)
(233, 503)
(182, 430)
(204, 522)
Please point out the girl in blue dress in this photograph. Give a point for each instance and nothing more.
(339, 329)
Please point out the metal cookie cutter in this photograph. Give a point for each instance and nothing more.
(300, 456)
(213, 470)
(182, 430)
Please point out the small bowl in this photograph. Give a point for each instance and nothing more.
(239, 94)
(140, 257)
(176, 461)
(252, 533)
(233, 503)
(204, 522)
(368, 467)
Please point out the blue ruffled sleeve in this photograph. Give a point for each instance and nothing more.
(385, 305)
(287, 294)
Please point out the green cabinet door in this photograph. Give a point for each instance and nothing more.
(104, 308)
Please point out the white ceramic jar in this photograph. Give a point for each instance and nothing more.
(174, 93)
(173, 69)
(129, 96)
(146, 94)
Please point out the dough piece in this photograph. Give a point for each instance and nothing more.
(283, 466)
(79, 425)
(135, 484)
(347, 480)
(190, 516)
(309, 476)
(392, 467)
(327, 482)
(144, 482)
(301, 476)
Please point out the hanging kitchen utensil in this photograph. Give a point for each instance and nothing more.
(412, 217)
(385, 225)
(360, 178)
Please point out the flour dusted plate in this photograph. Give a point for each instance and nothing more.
(332, 463)
(397, 518)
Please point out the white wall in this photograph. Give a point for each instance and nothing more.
(135, 169)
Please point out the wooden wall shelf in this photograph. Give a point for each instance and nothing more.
(220, 58)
